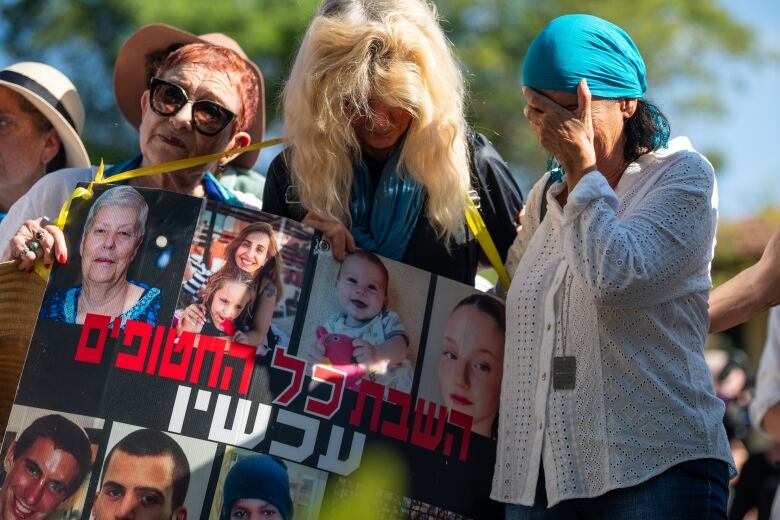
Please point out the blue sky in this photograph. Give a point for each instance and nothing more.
(748, 133)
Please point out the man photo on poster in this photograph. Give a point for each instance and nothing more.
(43, 467)
(145, 475)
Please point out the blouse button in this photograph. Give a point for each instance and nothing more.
(544, 376)
(549, 326)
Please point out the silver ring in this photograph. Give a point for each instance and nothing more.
(23, 252)
(39, 235)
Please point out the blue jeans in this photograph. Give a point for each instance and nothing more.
(693, 490)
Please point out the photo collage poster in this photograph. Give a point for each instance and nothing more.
(189, 352)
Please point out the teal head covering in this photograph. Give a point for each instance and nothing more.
(577, 46)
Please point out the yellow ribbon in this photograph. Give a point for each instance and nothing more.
(473, 216)
(172, 166)
(480, 231)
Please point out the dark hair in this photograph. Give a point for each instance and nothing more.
(151, 443)
(66, 436)
(646, 131)
(371, 258)
(493, 307)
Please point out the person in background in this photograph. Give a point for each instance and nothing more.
(753, 290)
(757, 485)
(41, 119)
(380, 154)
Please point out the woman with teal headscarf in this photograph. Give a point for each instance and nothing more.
(607, 405)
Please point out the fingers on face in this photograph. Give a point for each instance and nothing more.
(583, 100)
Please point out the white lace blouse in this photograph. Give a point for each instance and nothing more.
(623, 275)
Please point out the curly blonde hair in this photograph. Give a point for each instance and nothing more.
(394, 51)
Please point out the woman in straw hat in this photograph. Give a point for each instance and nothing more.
(381, 156)
(607, 405)
(41, 118)
(204, 99)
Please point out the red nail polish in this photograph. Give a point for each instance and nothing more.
(47, 266)
(61, 259)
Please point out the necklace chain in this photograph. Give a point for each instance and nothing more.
(566, 300)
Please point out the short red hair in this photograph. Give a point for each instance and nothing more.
(221, 59)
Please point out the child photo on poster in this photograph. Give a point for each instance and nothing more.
(365, 317)
(244, 277)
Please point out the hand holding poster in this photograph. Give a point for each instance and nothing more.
(201, 349)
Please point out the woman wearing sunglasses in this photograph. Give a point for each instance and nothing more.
(203, 99)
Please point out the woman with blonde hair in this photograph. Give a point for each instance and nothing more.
(381, 156)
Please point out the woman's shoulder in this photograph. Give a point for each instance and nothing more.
(533, 207)
(44, 198)
(680, 157)
(145, 292)
(57, 301)
(56, 186)
(531, 220)
(482, 153)
(279, 167)
(278, 195)
(147, 306)
(60, 293)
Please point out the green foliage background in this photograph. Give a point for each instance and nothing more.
(677, 38)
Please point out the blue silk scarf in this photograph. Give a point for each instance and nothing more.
(384, 217)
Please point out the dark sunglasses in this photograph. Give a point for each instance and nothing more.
(208, 117)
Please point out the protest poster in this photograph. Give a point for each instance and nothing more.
(244, 352)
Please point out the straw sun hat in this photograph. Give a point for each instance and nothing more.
(53, 95)
(130, 79)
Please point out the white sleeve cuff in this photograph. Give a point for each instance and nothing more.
(593, 185)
